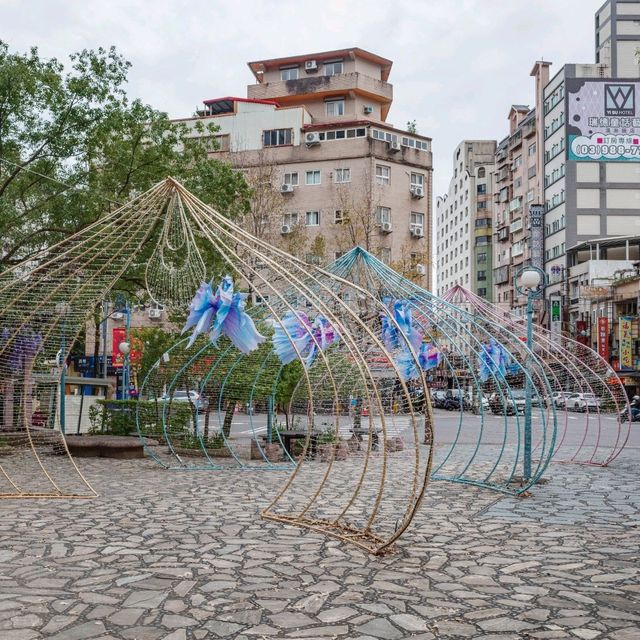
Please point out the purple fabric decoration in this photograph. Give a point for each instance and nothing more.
(24, 348)
(302, 332)
(222, 314)
(428, 358)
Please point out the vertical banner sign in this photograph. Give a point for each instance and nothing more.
(625, 338)
(555, 305)
(536, 240)
(603, 338)
(118, 335)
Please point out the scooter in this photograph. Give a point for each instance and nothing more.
(635, 415)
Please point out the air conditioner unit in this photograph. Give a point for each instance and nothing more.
(117, 315)
(417, 191)
(310, 65)
(417, 231)
(155, 314)
(312, 138)
(367, 109)
(285, 229)
(421, 270)
(286, 188)
(394, 146)
(386, 227)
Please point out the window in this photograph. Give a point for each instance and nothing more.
(312, 177)
(517, 183)
(335, 107)
(383, 214)
(383, 174)
(517, 162)
(339, 217)
(290, 219)
(312, 219)
(333, 68)
(482, 257)
(532, 149)
(531, 172)
(482, 188)
(530, 195)
(482, 292)
(290, 73)
(277, 137)
(482, 275)
(417, 219)
(215, 144)
(342, 175)
(385, 255)
(291, 179)
(417, 180)
(482, 205)
(482, 172)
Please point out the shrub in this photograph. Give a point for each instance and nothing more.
(119, 417)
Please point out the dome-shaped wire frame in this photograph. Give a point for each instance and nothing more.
(577, 373)
(490, 450)
(350, 481)
(364, 490)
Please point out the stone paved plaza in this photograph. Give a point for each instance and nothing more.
(164, 555)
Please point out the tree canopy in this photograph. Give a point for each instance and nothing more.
(74, 146)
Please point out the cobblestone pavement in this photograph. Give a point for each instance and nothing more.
(176, 556)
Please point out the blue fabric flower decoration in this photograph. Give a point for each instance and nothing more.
(296, 331)
(493, 360)
(401, 313)
(222, 314)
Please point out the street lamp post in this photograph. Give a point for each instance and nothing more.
(124, 348)
(532, 281)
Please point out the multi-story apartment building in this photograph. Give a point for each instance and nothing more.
(518, 188)
(592, 145)
(313, 132)
(464, 220)
(618, 37)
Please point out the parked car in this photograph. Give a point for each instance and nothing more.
(509, 403)
(583, 402)
(201, 404)
(559, 398)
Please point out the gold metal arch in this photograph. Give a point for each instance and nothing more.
(368, 499)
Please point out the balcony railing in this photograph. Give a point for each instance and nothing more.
(354, 81)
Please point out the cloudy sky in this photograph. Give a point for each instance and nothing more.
(458, 64)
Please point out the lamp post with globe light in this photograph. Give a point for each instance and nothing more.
(532, 281)
(125, 348)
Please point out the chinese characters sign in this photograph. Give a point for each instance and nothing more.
(603, 338)
(603, 120)
(536, 240)
(625, 338)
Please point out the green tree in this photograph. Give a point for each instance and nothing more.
(73, 146)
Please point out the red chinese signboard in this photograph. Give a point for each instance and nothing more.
(118, 335)
(603, 338)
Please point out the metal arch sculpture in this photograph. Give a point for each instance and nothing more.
(602, 435)
(484, 453)
(369, 501)
(49, 298)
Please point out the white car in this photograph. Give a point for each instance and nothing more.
(559, 399)
(201, 404)
(583, 402)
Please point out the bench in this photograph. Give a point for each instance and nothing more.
(120, 447)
